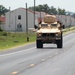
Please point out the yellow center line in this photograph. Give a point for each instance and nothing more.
(50, 56)
(14, 72)
(32, 65)
(43, 59)
(56, 53)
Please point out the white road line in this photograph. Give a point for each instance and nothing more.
(18, 52)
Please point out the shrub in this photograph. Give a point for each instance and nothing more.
(4, 33)
(1, 29)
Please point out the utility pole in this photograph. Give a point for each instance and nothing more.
(34, 12)
(40, 15)
(15, 20)
(27, 24)
(70, 20)
(66, 21)
(9, 16)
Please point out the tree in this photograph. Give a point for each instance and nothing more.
(52, 10)
(61, 11)
(31, 8)
(3, 10)
(46, 8)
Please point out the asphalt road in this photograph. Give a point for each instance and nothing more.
(50, 60)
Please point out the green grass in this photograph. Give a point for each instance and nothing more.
(68, 30)
(9, 40)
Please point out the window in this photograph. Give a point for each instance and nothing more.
(19, 17)
(54, 25)
(44, 25)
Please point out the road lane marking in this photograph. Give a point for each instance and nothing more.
(43, 59)
(56, 53)
(17, 52)
(32, 65)
(50, 56)
(14, 72)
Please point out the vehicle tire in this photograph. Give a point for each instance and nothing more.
(60, 42)
(39, 44)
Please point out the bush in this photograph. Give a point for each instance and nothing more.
(4, 33)
(1, 29)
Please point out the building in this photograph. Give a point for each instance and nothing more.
(2, 22)
(16, 20)
(66, 20)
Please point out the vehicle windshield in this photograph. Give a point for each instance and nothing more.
(53, 25)
(44, 25)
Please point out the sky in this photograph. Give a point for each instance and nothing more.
(68, 5)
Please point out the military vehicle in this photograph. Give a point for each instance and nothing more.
(49, 31)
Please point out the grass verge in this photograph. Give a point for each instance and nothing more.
(9, 40)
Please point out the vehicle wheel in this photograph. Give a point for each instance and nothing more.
(39, 44)
(60, 42)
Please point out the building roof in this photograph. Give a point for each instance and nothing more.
(2, 19)
(38, 12)
(29, 10)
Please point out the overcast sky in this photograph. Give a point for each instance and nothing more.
(68, 5)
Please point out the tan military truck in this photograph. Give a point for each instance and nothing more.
(49, 31)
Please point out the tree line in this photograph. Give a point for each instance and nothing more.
(52, 10)
(49, 10)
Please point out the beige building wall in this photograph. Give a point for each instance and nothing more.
(16, 20)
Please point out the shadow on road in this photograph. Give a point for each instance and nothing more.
(50, 48)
